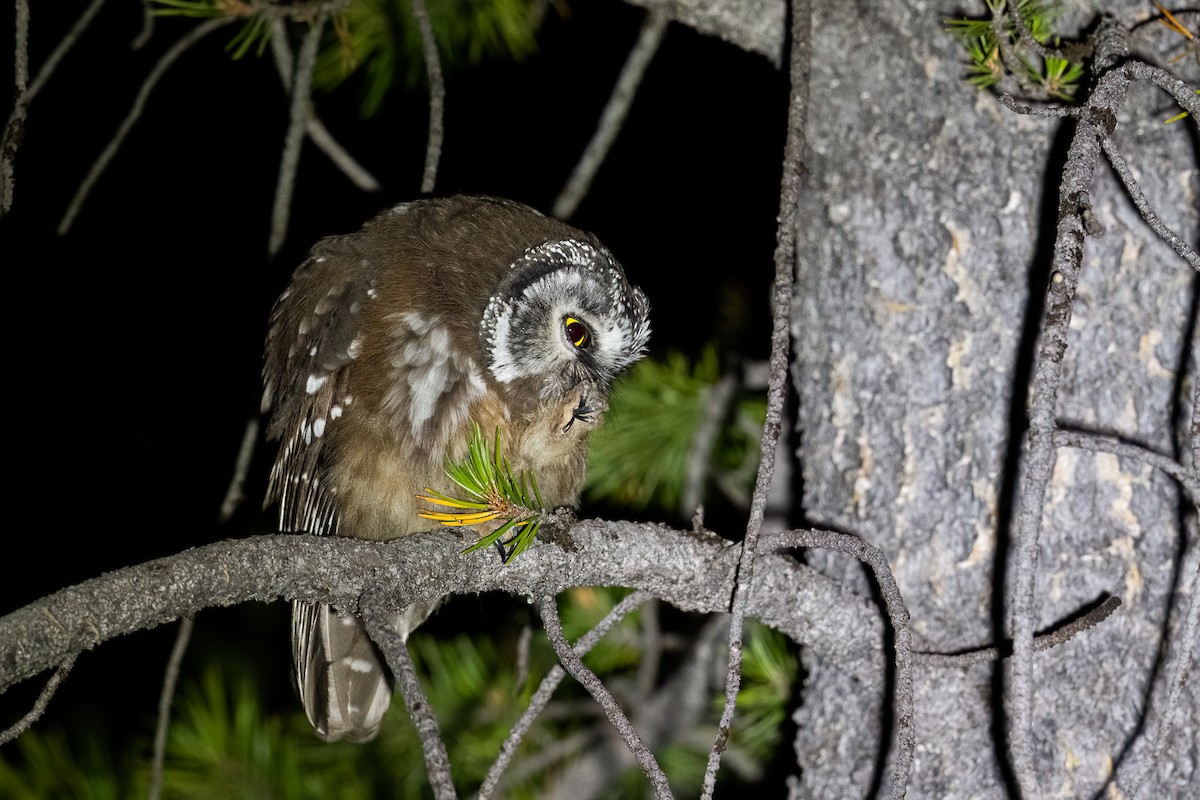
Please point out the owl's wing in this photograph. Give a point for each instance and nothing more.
(313, 336)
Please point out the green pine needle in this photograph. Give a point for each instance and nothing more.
(486, 476)
(1051, 76)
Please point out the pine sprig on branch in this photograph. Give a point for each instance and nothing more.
(495, 493)
(1001, 56)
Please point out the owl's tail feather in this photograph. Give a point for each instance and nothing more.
(343, 682)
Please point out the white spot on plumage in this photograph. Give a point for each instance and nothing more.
(361, 664)
(319, 428)
(315, 383)
(425, 387)
(335, 411)
(354, 350)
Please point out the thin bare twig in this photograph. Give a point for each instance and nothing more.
(1039, 451)
(147, 30)
(524, 643)
(1096, 443)
(1195, 434)
(596, 688)
(1143, 205)
(654, 27)
(437, 95)
(1042, 642)
(377, 615)
(650, 647)
(699, 463)
(8, 147)
(179, 48)
(298, 116)
(170, 681)
(1185, 95)
(1026, 39)
(235, 493)
(14, 129)
(1010, 102)
(541, 697)
(873, 557)
(39, 705)
(785, 264)
(315, 128)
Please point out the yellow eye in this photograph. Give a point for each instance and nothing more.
(577, 332)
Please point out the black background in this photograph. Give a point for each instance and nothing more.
(135, 341)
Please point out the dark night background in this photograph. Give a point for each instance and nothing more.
(136, 339)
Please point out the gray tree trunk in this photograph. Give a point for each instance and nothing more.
(923, 252)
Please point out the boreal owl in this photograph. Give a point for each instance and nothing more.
(383, 350)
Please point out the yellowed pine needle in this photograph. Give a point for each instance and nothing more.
(1174, 24)
(459, 519)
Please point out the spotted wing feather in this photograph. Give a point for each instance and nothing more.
(314, 334)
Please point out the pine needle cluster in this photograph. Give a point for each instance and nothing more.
(1001, 58)
(492, 492)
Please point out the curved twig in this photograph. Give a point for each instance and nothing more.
(1143, 205)
(1096, 443)
(170, 679)
(315, 128)
(377, 615)
(1042, 642)
(545, 690)
(15, 126)
(298, 117)
(872, 556)
(596, 688)
(179, 48)
(39, 706)
(654, 27)
(1039, 451)
(437, 95)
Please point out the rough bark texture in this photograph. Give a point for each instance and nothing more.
(922, 257)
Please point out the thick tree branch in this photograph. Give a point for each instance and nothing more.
(692, 572)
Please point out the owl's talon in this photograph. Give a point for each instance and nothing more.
(582, 412)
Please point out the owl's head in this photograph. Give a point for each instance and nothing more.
(563, 314)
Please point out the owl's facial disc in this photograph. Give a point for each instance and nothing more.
(565, 314)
